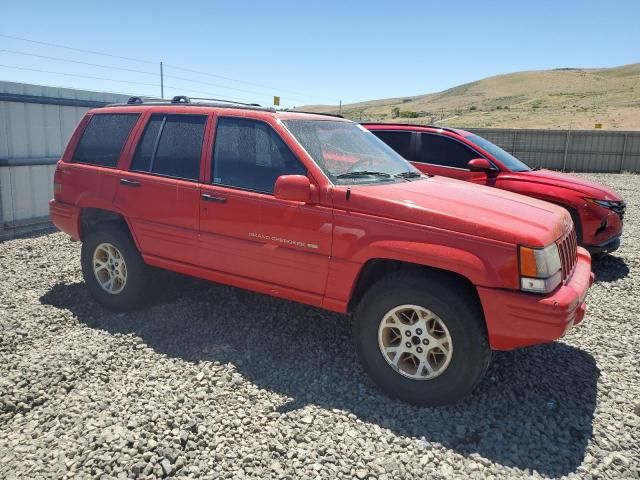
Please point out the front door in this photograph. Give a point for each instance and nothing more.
(441, 155)
(244, 229)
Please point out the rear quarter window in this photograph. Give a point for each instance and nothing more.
(103, 139)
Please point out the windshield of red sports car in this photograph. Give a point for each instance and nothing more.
(511, 162)
(349, 154)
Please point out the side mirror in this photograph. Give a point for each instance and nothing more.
(295, 188)
(480, 165)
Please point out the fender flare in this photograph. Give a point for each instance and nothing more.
(94, 201)
(447, 258)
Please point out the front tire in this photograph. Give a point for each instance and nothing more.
(113, 269)
(421, 338)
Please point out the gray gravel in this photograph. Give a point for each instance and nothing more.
(211, 381)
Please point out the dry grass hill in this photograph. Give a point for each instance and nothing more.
(573, 98)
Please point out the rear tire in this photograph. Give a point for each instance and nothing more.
(435, 368)
(113, 269)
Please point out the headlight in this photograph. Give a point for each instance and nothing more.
(602, 203)
(540, 269)
(615, 206)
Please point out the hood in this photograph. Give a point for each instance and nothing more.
(462, 207)
(557, 179)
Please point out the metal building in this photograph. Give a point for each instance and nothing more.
(35, 124)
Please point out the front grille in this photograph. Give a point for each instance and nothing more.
(568, 249)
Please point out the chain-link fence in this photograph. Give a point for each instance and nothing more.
(570, 150)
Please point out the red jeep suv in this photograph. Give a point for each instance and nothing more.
(316, 209)
(597, 211)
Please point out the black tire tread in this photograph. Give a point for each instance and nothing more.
(139, 278)
(427, 281)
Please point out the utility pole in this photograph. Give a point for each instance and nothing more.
(161, 82)
(340, 107)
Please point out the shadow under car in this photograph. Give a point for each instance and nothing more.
(533, 410)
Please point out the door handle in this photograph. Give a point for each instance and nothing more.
(211, 198)
(129, 183)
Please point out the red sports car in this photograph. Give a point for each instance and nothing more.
(597, 211)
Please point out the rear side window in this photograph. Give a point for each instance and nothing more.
(399, 141)
(249, 154)
(171, 146)
(440, 150)
(103, 139)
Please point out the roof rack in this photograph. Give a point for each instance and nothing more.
(184, 100)
(140, 100)
(188, 100)
(314, 113)
(449, 129)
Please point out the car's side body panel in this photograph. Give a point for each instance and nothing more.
(314, 252)
(598, 225)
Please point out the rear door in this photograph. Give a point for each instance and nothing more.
(441, 155)
(244, 229)
(159, 190)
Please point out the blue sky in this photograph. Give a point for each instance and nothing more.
(310, 52)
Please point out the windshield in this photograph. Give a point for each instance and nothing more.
(350, 154)
(511, 162)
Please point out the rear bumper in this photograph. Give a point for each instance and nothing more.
(65, 217)
(516, 319)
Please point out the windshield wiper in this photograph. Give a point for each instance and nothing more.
(363, 173)
(408, 175)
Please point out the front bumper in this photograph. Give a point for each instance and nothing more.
(609, 246)
(517, 319)
(601, 228)
(65, 217)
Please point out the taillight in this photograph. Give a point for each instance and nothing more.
(57, 184)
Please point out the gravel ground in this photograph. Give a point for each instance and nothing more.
(211, 381)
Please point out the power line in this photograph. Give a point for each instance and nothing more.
(243, 81)
(93, 52)
(91, 77)
(77, 49)
(155, 74)
(15, 52)
(80, 76)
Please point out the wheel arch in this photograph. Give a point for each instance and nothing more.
(377, 268)
(575, 217)
(92, 217)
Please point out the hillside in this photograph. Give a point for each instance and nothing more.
(561, 98)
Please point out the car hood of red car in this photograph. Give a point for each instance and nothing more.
(557, 179)
(463, 207)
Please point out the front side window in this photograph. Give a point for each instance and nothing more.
(350, 154)
(511, 162)
(398, 140)
(249, 154)
(171, 146)
(440, 150)
(103, 138)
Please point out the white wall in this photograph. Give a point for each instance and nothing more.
(25, 192)
(32, 138)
